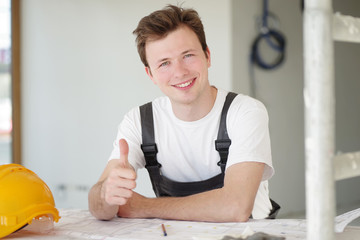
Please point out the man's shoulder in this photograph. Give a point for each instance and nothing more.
(240, 98)
(161, 101)
(159, 106)
(246, 102)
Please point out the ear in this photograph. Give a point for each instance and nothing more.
(148, 72)
(208, 56)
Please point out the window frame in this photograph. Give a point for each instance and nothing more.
(15, 82)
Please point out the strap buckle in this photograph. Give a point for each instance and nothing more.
(150, 151)
(222, 146)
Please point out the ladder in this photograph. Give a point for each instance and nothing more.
(321, 28)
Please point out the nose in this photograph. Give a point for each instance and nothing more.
(180, 69)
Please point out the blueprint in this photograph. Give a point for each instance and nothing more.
(79, 224)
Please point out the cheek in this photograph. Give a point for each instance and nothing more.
(162, 77)
(191, 61)
(197, 66)
(197, 63)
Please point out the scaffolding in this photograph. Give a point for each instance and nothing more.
(321, 28)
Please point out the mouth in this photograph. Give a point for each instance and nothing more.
(185, 84)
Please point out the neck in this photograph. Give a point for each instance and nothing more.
(197, 109)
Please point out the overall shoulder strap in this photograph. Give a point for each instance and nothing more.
(148, 145)
(223, 141)
(147, 123)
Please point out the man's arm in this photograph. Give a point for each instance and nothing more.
(232, 203)
(114, 187)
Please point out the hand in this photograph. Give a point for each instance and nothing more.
(118, 186)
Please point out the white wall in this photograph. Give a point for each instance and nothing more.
(81, 73)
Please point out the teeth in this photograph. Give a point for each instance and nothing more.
(184, 84)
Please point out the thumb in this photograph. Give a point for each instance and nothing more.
(124, 151)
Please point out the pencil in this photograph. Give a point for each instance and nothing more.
(164, 230)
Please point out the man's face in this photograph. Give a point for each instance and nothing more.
(179, 66)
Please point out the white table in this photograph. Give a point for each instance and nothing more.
(80, 225)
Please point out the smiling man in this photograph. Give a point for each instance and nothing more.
(207, 150)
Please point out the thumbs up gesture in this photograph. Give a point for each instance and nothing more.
(124, 152)
(118, 186)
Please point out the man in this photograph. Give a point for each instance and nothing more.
(174, 137)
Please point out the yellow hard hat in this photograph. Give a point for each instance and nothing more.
(23, 197)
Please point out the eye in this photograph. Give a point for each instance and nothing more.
(188, 55)
(164, 64)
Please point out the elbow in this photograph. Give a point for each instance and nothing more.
(101, 215)
(240, 217)
(98, 208)
(239, 212)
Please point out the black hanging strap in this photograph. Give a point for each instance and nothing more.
(148, 145)
(223, 141)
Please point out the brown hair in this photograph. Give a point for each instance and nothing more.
(160, 23)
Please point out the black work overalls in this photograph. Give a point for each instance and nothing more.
(162, 185)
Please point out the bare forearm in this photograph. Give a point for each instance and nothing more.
(97, 205)
(209, 206)
(212, 206)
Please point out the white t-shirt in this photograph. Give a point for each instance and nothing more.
(187, 149)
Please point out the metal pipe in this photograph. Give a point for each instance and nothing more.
(319, 101)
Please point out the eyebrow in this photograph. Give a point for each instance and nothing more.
(187, 51)
(162, 60)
